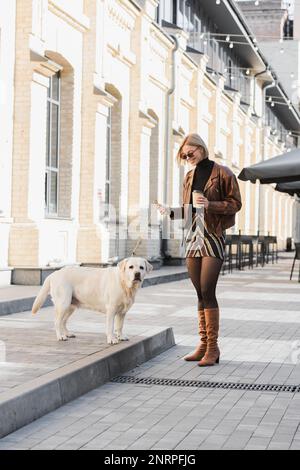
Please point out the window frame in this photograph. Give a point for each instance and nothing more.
(49, 168)
(107, 192)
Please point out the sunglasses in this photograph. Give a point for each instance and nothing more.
(189, 154)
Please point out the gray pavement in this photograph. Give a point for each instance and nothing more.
(259, 342)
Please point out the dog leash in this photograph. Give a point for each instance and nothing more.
(140, 238)
(136, 245)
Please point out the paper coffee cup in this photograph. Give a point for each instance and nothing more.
(196, 193)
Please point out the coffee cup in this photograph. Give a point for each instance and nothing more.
(197, 193)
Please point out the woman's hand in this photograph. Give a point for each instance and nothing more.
(202, 200)
(164, 210)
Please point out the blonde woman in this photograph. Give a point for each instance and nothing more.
(218, 196)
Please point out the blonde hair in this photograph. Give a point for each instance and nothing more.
(194, 140)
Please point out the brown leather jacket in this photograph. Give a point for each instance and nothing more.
(223, 193)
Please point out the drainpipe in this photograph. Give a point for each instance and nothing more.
(260, 194)
(167, 143)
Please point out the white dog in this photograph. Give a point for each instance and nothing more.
(109, 290)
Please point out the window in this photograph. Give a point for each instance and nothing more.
(168, 10)
(245, 88)
(107, 164)
(165, 11)
(222, 59)
(194, 30)
(52, 146)
(229, 80)
(196, 36)
(180, 13)
(215, 55)
(187, 18)
(288, 29)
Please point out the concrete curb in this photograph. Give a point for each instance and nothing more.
(25, 304)
(30, 401)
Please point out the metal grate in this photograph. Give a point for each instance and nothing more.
(205, 384)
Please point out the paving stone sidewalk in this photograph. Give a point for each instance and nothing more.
(259, 342)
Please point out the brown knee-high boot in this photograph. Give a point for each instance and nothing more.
(212, 354)
(201, 348)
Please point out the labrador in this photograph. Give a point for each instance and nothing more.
(109, 290)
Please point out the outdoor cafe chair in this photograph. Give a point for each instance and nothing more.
(297, 256)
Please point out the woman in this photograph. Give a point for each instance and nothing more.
(205, 237)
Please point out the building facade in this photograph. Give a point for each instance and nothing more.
(98, 96)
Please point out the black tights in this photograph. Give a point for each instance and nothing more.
(204, 272)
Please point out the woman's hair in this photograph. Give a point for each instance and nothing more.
(191, 139)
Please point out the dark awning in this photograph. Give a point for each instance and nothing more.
(290, 188)
(280, 169)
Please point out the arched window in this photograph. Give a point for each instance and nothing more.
(108, 164)
(114, 150)
(52, 146)
(59, 138)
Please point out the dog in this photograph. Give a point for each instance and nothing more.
(109, 290)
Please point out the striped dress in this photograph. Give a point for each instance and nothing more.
(199, 242)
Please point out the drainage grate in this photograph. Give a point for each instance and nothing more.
(205, 384)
